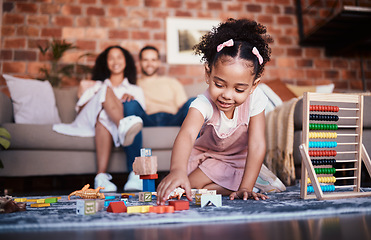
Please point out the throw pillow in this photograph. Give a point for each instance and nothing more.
(300, 90)
(281, 90)
(33, 101)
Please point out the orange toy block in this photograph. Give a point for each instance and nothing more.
(161, 209)
(117, 207)
(152, 176)
(145, 165)
(179, 205)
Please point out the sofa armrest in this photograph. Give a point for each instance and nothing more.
(6, 109)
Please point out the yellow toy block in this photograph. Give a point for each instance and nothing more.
(20, 200)
(40, 205)
(40, 200)
(138, 209)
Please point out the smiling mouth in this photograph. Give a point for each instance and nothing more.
(224, 104)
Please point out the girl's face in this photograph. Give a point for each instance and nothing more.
(116, 61)
(230, 83)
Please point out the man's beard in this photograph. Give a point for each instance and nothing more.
(149, 75)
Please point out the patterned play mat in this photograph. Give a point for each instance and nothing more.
(280, 206)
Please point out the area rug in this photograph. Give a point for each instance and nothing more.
(280, 206)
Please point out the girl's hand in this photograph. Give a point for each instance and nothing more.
(127, 98)
(245, 194)
(169, 183)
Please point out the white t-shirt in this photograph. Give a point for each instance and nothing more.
(258, 102)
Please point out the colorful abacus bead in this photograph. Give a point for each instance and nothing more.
(322, 153)
(323, 108)
(321, 117)
(330, 144)
(325, 170)
(324, 162)
(324, 188)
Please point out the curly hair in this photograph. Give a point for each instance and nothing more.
(101, 72)
(246, 35)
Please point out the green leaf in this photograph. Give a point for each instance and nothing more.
(4, 142)
(4, 133)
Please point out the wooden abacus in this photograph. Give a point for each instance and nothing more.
(349, 153)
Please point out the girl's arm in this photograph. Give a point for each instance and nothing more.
(182, 148)
(255, 158)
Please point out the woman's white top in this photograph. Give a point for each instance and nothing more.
(93, 97)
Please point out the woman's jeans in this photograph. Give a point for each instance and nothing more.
(157, 119)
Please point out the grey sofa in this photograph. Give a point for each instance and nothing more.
(37, 150)
(298, 119)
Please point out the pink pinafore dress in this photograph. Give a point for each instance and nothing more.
(222, 157)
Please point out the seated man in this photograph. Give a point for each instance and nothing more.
(166, 103)
(166, 100)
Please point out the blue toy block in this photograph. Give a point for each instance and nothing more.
(149, 185)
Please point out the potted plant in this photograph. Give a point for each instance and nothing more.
(4, 141)
(57, 71)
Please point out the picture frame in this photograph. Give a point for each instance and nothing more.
(182, 34)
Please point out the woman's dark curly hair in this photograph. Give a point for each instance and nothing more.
(246, 35)
(101, 72)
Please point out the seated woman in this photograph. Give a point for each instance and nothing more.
(101, 111)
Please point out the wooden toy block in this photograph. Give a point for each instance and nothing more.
(145, 152)
(198, 198)
(51, 200)
(145, 165)
(211, 192)
(200, 191)
(152, 176)
(145, 197)
(149, 185)
(116, 207)
(20, 200)
(40, 200)
(85, 207)
(161, 209)
(179, 205)
(31, 200)
(207, 199)
(99, 205)
(138, 209)
(38, 205)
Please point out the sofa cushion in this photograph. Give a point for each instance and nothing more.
(42, 137)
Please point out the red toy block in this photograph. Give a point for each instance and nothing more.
(116, 207)
(151, 176)
(179, 205)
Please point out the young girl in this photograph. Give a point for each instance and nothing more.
(229, 117)
(101, 112)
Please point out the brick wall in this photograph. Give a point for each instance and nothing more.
(93, 25)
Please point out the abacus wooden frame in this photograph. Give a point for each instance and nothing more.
(307, 166)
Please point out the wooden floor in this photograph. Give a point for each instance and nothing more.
(352, 227)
